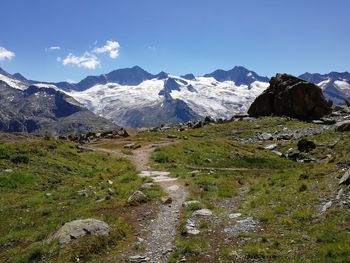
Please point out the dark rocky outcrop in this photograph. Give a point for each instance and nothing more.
(292, 97)
(46, 111)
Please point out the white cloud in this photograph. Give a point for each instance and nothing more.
(6, 54)
(54, 48)
(87, 61)
(111, 47)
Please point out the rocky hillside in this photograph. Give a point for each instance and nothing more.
(45, 110)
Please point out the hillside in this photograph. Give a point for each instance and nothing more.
(257, 194)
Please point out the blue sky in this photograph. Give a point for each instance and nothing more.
(182, 36)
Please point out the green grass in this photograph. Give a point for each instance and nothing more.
(52, 182)
(284, 196)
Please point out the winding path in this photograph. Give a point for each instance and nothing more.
(162, 231)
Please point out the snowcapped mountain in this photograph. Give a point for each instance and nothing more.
(133, 97)
(149, 100)
(335, 85)
(43, 108)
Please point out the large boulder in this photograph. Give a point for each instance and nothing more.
(292, 97)
(79, 228)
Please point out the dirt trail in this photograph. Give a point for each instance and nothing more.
(162, 231)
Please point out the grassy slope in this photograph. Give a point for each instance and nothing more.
(284, 195)
(42, 193)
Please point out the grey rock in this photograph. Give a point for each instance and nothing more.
(265, 137)
(345, 179)
(137, 197)
(343, 126)
(203, 212)
(325, 207)
(234, 215)
(270, 147)
(80, 228)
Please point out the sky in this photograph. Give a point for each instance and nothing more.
(67, 40)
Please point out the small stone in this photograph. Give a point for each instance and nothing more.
(110, 182)
(270, 147)
(345, 178)
(166, 200)
(340, 193)
(325, 207)
(265, 137)
(48, 194)
(8, 170)
(172, 136)
(137, 197)
(203, 212)
(277, 153)
(234, 215)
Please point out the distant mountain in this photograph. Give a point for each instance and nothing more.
(45, 110)
(335, 85)
(133, 97)
(239, 75)
(126, 77)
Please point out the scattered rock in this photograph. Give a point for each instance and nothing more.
(137, 197)
(139, 259)
(110, 182)
(340, 194)
(79, 228)
(325, 207)
(292, 97)
(202, 212)
(234, 215)
(345, 179)
(172, 136)
(242, 225)
(305, 145)
(166, 200)
(265, 137)
(191, 228)
(343, 126)
(8, 170)
(270, 147)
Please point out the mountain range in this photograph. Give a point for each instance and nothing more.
(133, 97)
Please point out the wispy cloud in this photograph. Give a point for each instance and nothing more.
(6, 54)
(54, 48)
(111, 47)
(88, 61)
(152, 48)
